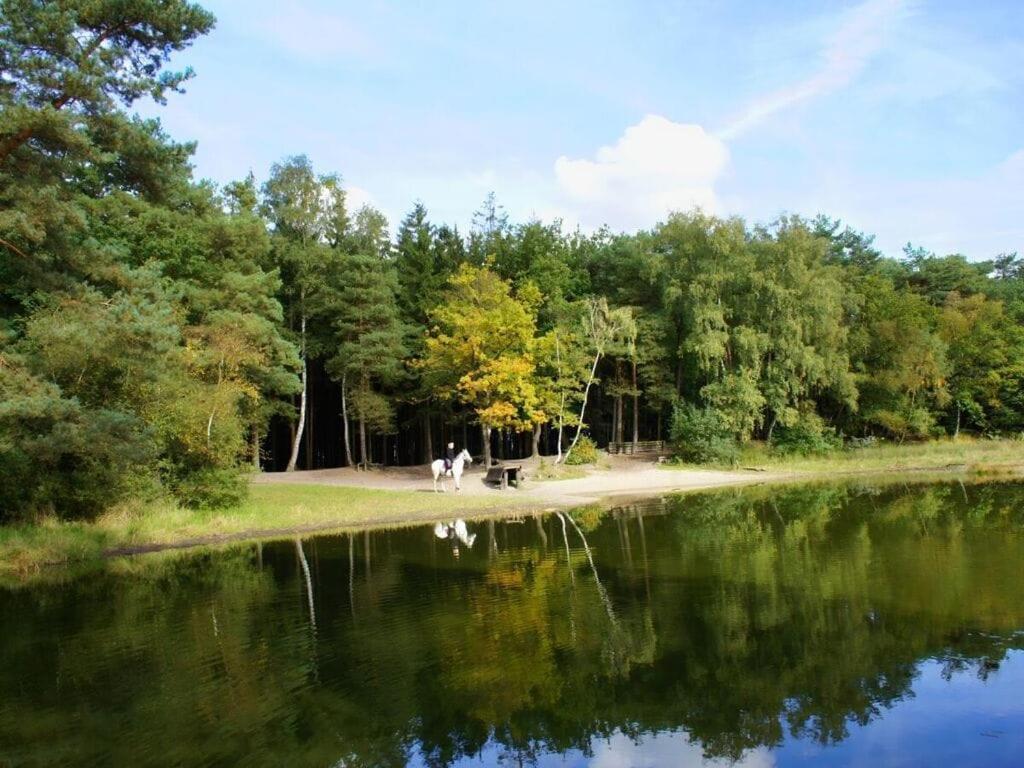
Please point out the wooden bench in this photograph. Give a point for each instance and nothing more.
(503, 475)
(640, 448)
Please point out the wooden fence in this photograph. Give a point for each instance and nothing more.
(641, 448)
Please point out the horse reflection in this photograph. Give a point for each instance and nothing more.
(456, 533)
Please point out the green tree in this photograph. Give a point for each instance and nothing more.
(480, 350)
(305, 211)
(600, 325)
(369, 338)
(986, 360)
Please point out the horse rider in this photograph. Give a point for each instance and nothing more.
(449, 457)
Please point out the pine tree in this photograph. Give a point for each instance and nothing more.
(369, 340)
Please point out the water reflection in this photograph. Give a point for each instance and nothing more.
(772, 626)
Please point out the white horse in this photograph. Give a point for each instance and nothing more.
(437, 467)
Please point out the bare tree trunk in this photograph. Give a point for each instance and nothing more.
(485, 433)
(297, 440)
(310, 428)
(535, 451)
(561, 427)
(362, 442)
(583, 408)
(956, 432)
(255, 448)
(618, 416)
(428, 447)
(636, 410)
(344, 420)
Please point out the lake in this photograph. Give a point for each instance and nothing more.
(825, 625)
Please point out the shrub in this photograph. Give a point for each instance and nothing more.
(585, 452)
(211, 488)
(808, 436)
(701, 435)
(906, 424)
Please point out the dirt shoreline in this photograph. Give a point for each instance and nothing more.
(620, 481)
(635, 480)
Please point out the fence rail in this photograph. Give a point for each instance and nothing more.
(642, 447)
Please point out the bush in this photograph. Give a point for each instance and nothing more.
(702, 436)
(906, 423)
(585, 452)
(211, 488)
(808, 436)
(59, 457)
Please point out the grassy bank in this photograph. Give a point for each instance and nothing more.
(269, 509)
(963, 455)
(277, 510)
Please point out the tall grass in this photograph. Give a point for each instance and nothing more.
(270, 508)
(964, 454)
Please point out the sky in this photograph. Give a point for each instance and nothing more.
(902, 118)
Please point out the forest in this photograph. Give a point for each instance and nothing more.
(161, 334)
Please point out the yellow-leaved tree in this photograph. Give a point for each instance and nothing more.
(480, 350)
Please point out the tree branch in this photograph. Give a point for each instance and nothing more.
(14, 248)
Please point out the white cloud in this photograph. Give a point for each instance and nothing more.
(357, 197)
(862, 34)
(662, 750)
(656, 166)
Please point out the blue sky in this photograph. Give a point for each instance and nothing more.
(902, 117)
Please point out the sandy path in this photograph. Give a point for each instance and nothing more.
(622, 477)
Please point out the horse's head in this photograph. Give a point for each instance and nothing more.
(466, 457)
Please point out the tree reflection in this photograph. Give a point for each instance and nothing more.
(740, 618)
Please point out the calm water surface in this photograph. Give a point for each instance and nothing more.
(824, 625)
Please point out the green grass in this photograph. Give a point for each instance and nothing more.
(548, 470)
(25, 548)
(963, 454)
(274, 510)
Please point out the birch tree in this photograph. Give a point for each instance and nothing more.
(600, 326)
(306, 212)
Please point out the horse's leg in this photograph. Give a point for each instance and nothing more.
(435, 479)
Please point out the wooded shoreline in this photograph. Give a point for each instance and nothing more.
(284, 506)
(163, 336)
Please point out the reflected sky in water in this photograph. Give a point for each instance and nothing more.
(824, 625)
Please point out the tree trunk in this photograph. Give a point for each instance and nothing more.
(956, 432)
(561, 428)
(362, 443)
(501, 445)
(485, 433)
(428, 447)
(310, 428)
(535, 451)
(255, 448)
(344, 420)
(583, 408)
(297, 440)
(636, 410)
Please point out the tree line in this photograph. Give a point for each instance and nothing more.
(159, 333)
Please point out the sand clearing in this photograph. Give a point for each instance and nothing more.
(618, 477)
